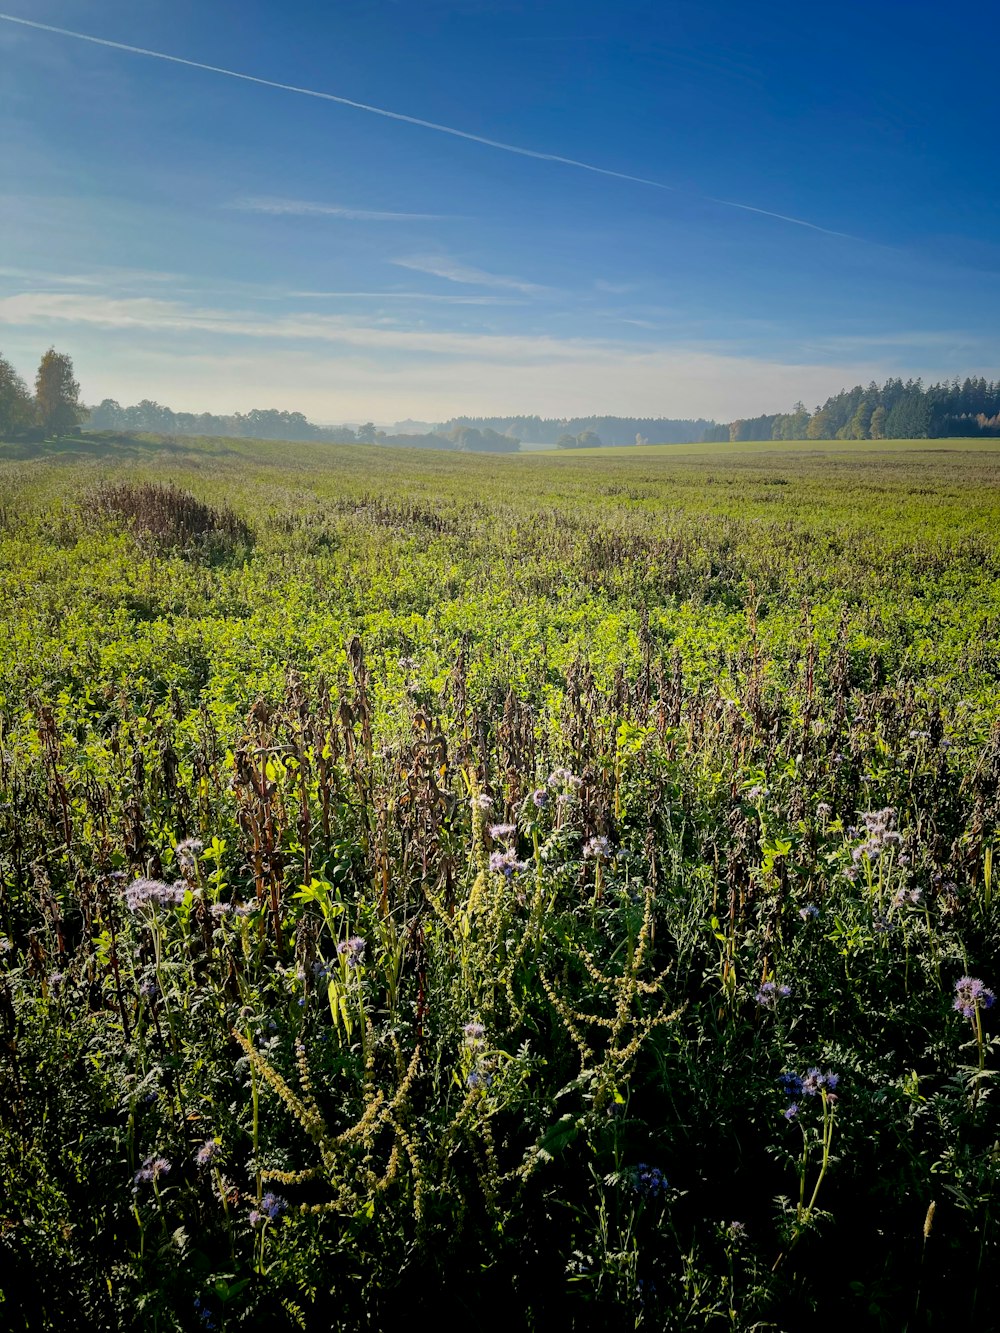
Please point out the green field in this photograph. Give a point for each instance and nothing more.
(735, 710)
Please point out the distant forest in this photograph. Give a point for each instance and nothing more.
(891, 411)
(611, 431)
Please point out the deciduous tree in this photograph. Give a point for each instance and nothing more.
(16, 407)
(57, 394)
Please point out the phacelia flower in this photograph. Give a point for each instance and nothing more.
(479, 1077)
(770, 993)
(809, 912)
(506, 863)
(474, 1033)
(149, 892)
(208, 1150)
(814, 1081)
(971, 995)
(790, 1084)
(352, 951)
(597, 849)
(152, 1168)
(187, 852)
(540, 797)
(482, 802)
(649, 1181)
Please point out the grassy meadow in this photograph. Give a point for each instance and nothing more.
(553, 889)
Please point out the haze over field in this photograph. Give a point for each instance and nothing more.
(476, 207)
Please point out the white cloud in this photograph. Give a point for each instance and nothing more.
(348, 367)
(440, 266)
(304, 208)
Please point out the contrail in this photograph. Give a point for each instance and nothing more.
(416, 120)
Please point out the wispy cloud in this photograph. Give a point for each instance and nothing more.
(435, 298)
(305, 208)
(517, 149)
(615, 288)
(98, 278)
(440, 266)
(333, 364)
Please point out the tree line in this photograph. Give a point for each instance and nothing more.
(890, 411)
(615, 432)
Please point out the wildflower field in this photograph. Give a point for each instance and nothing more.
(553, 891)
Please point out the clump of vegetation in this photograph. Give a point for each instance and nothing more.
(579, 913)
(170, 518)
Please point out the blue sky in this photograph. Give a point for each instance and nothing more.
(219, 244)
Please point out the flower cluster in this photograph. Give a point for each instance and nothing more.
(152, 1168)
(268, 1210)
(812, 1083)
(770, 993)
(880, 825)
(649, 1181)
(506, 863)
(482, 802)
(153, 892)
(502, 832)
(352, 951)
(187, 854)
(208, 1150)
(480, 1075)
(907, 897)
(562, 777)
(971, 995)
(597, 849)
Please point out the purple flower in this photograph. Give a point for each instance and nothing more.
(506, 863)
(152, 1168)
(809, 912)
(208, 1150)
(187, 853)
(502, 832)
(597, 849)
(823, 810)
(649, 1181)
(540, 797)
(474, 1033)
(971, 995)
(815, 1081)
(147, 892)
(273, 1205)
(482, 802)
(770, 993)
(352, 951)
(562, 777)
(56, 980)
(791, 1111)
(790, 1085)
